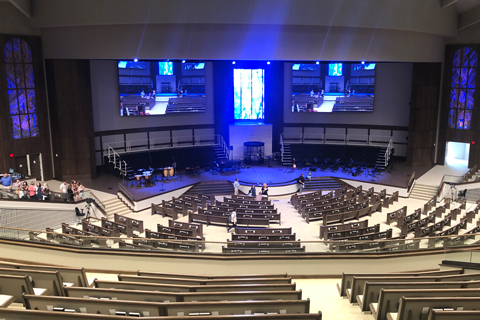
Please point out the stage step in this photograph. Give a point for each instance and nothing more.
(117, 206)
(473, 195)
(380, 163)
(211, 187)
(287, 155)
(423, 192)
(324, 184)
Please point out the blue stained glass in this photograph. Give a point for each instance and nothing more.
(451, 118)
(7, 52)
(463, 78)
(455, 77)
(470, 98)
(453, 98)
(460, 119)
(465, 56)
(25, 126)
(16, 132)
(468, 119)
(19, 76)
(33, 125)
(17, 52)
(473, 59)
(10, 76)
(472, 74)
(22, 101)
(461, 99)
(27, 52)
(456, 58)
(32, 101)
(29, 79)
(12, 101)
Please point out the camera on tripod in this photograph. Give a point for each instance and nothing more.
(90, 200)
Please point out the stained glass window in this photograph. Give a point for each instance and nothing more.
(464, 73)
(21, 88)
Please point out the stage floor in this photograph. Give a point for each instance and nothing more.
(398, 176)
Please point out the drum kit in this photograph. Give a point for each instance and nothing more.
(148, 177)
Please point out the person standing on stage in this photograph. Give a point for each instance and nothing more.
(301, 183)
(236, 185)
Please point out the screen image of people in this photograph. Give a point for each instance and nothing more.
(161, 87)
(333, 87)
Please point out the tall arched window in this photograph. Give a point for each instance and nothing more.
(21, 88)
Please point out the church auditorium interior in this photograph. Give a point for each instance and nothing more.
(262, 159)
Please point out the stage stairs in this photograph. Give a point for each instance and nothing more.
(287, 155)
(380, 163)
(323, 183)
(117, 206)
(423, 192)
(219, 153)
(473, 195)
(211, 187)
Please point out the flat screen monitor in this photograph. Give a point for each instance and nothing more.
(153, 87)
(333, 87)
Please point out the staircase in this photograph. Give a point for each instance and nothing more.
(117, 206)
(423, 192)
(472, 195)
(219, 153)
(287, 155)
(380, 163)
(324, 184)
(211, 187)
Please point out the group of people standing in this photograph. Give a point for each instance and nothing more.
(253, 191)
(32, 191)
(73, 191)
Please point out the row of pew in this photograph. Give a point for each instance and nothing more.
(415, 295)
(156, 295)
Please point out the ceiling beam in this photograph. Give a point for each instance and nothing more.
(469, 18)
(24, 6)
(446, 3)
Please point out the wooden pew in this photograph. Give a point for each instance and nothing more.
(355, 232)
(413, 308)
(136, 295)
(101, 306)
(49, 280)
(388, 298)
(117, 228)
(396, 215)
(201, 202)
(16, 314)
(380, 307)
(182, 288)
(263, 237)
(438, 314)
(190, 205)
(193, 232)
(342, 227)
(262, 250)
(72, 275)
(263, 244)
(100, 231)
(199, 276)
(358, 283)
(187, 226)
(203, 282)
(159, 209)
(136, 225)
(244, 201)
(83, 235)
(276, 231)
(15, 286)
(410, 218)
(347, 278)
(223, 220)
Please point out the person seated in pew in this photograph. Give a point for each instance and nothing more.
(252, 191)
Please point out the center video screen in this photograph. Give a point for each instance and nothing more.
(333, 87)
(149, 88)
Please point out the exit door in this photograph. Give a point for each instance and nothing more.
(35, 166)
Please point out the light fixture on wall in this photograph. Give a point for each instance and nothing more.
(318, 62)
(233, 62)
(183, 61)
(135, 60)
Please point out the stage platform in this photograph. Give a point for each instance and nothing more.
(397, 176)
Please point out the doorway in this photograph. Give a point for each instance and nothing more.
(457, 154)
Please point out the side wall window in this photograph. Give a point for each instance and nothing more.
(21, 88)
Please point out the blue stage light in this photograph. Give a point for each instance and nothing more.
(183, 61)
(135, 60)
(268, 62)
(233, 62)
(318, 62)
(363, 62)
